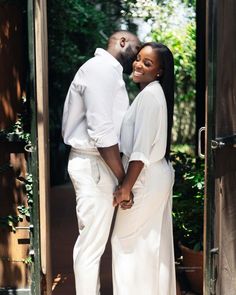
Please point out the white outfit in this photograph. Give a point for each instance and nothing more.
(93, 112)
(142, 240)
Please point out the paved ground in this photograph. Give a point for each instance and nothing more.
(63, 236)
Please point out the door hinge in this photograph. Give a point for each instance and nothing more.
(29, 148)
(213, 252)
(29, 228)
(213, 287)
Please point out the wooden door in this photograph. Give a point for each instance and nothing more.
(24, 180)
(220, 213)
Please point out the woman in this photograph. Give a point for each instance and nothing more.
(142, 240)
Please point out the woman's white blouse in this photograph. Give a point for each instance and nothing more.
(144, 127)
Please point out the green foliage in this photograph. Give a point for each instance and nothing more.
(28, 187)
(183, 49)
(28, 260)
(18, 132)
(11, 221)
(76, 28)
(188, 200)
(191, 3)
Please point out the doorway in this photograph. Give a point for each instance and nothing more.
(61, 191)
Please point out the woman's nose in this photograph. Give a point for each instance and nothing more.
(138, 65)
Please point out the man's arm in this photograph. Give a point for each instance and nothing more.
(111, 156)
(99, 99)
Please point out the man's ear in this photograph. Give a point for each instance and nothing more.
(122, 42)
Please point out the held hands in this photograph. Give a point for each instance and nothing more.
(123, 197)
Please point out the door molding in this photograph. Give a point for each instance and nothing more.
(211, 45)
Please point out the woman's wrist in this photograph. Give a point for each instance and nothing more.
(126, 186)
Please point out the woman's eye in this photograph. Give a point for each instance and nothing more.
(147, 64)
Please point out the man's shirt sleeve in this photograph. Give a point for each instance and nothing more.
(100, 89)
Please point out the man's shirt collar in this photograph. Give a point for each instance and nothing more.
(114, 61)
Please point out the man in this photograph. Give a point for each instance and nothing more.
(93, 112)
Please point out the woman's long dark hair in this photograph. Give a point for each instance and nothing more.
(167, 82)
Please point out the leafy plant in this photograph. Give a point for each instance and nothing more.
(18, 131)
(28, 260)
(28, 186)
(188, 200)
(11, 221)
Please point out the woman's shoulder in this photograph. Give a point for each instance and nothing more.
(152, 93)
(155, 88)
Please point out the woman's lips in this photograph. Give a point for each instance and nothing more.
(137, 73)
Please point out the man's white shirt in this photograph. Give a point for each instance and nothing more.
(95, 104)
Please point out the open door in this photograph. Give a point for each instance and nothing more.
(220, 209)
(24, 167)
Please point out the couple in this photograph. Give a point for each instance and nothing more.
(98, 125)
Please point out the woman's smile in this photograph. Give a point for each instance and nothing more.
(137, 73)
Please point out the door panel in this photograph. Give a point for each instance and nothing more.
(220, 226)
(24, 255)
(16, 230)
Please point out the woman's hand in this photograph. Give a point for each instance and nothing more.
(123, 197)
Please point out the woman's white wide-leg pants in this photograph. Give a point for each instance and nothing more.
(142, 240)
(94, 185)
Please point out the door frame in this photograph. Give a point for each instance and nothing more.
(209, 206)
(39, 164)
(41, 60)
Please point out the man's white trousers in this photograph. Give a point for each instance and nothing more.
(94, 185)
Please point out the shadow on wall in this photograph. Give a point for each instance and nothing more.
(13, 58)
(13, 78)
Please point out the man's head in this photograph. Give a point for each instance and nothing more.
(124, 45)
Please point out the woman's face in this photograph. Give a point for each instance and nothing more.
(146, 67)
